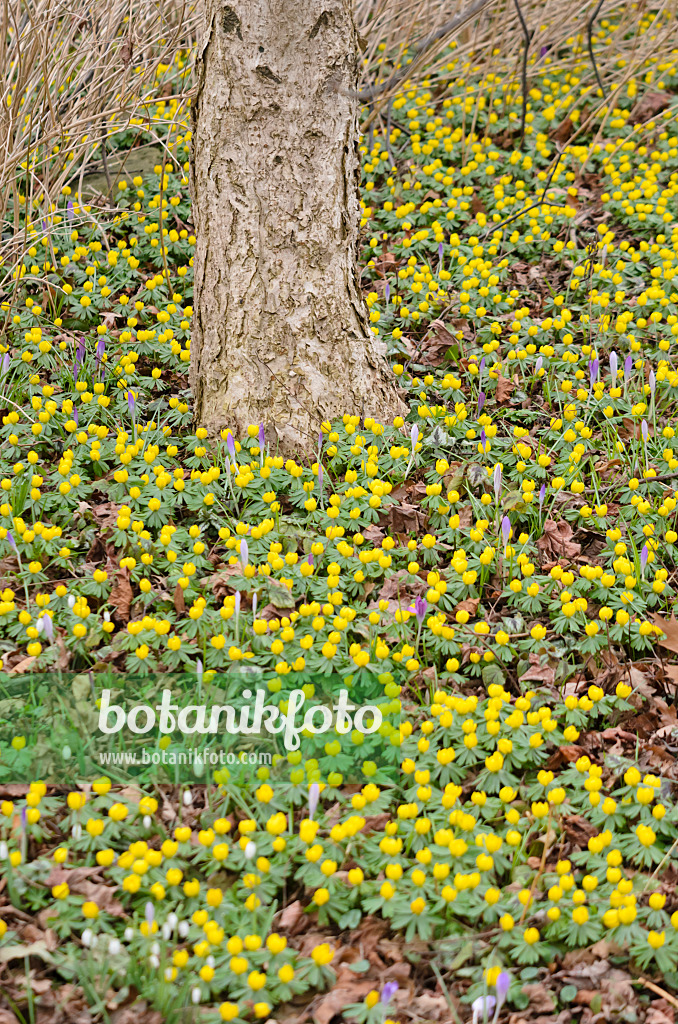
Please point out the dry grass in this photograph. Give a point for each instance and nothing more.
(77, 71)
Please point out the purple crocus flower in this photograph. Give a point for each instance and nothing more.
(497, 482)
(12, 542)
(628, 363)
(481, 402)
(320, 478)
(414, 435)
(613, 367)
(75, 415)
(198, 671)
(310, 559)
(149, 913)
(130, 403)
(69, 210)
(254, 605)
(313, 798)
(505, 530)
(5, 364)
(482, 1007)
(320, 444)
(24, 813)
(652, 382)
(387, 291)
(237, 602)
(593, 370)
(100, 349)
(544, 50)
(483, 438)
(538, 364)
(244, 553)
(391, 987)
(230, 444)
(47, 626)
(542, 493)
(502, 985)
(440, 250)
(262, 436)
(420, 606)
(645, 430)
(644, 554)
(482, 364)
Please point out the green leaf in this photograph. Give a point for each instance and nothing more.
(568, 993)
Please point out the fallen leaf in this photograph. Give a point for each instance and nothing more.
(651, 104)
(505, 388)
(291, 916)
(541, 999)
(470, 605)
(670, 629)
(346, 990)
(39, 949)
(556, 541)
(21, 666)
(122, 595)
(179, 600)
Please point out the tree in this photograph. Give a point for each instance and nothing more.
(280, 331)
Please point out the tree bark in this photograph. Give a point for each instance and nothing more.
(280, 329)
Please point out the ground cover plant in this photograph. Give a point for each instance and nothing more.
(495, 569)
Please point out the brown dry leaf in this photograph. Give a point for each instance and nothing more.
(21, 667)
(505, 388)
(556, 541)
(404, 518)
(670, 629)
(347, 989)
(430, 1007)
(541, 999)
(6, 1017)
(651, 104)
(539, 673)
(122, 595)
(402, 585)
(436, 344)
(219, 582)
(291, 916)
(179, 600)
(137, 1013)
(579, 830)
(470, 605)
(659, 1012)
(563, 131)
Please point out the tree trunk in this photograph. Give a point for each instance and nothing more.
(280, 330)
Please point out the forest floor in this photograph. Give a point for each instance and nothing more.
(495, 572)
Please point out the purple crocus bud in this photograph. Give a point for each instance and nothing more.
(420, 606)
(628, 363)
(237, 602)
(391, 987)
(5, 364)
(497, 482)
(12, 542)
(75, 415)
(149, 913)
(481, 402)
(593, 370)
(69, 210)
(483, 1008)
(542, 494)
(387, 291)
(230, 444)
(320, 477)
(502, 985)
(100, 349)
(130, 403)
(313, 798)
(483, 438)
(482, 364)
(613, 366)
(262, 436)
(653, 382)
(643, 558)
(47, 626)
(24, 812)
(198, 672)
(538, 364)
(414, 434)
(544, 50)
(310, 559)
(244, 552)
(645, 430)
(254, 605)
(320, 444)
(505, 530)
